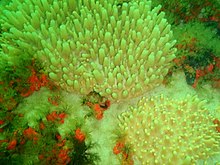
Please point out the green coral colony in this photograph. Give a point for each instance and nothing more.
(171, 131)
(93, 45)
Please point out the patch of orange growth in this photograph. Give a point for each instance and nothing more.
(41, 157)
(52, 116)
(96, 108)
(2, 122)
(98, 111)
(118, 148)
(99, 108)
(108, 103)
(210, 68)
(58, 137)
(99, 115)
(22, 141)
(35, 83)
(79, 135)
(218, 129)
(44, 81)
(201, 73)
(42, 126)
(30, 134)
(56, 117)
(12, 144)
(63, 157)
(217, 122)
(62, 143)
(179, 61)
(62, 116)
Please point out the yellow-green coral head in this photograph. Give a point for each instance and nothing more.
(119, 49)
(165, 131)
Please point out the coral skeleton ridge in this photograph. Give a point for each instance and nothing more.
(160, 130)
(120, 50)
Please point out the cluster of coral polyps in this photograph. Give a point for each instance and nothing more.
(160, 130)
(117, 49)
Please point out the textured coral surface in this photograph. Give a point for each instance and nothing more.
(92, 45)
(160, 130)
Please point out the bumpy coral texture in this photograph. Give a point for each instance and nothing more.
(165, 131)
(117, 49)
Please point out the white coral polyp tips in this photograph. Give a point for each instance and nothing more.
(161, 130)
(117, 49)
